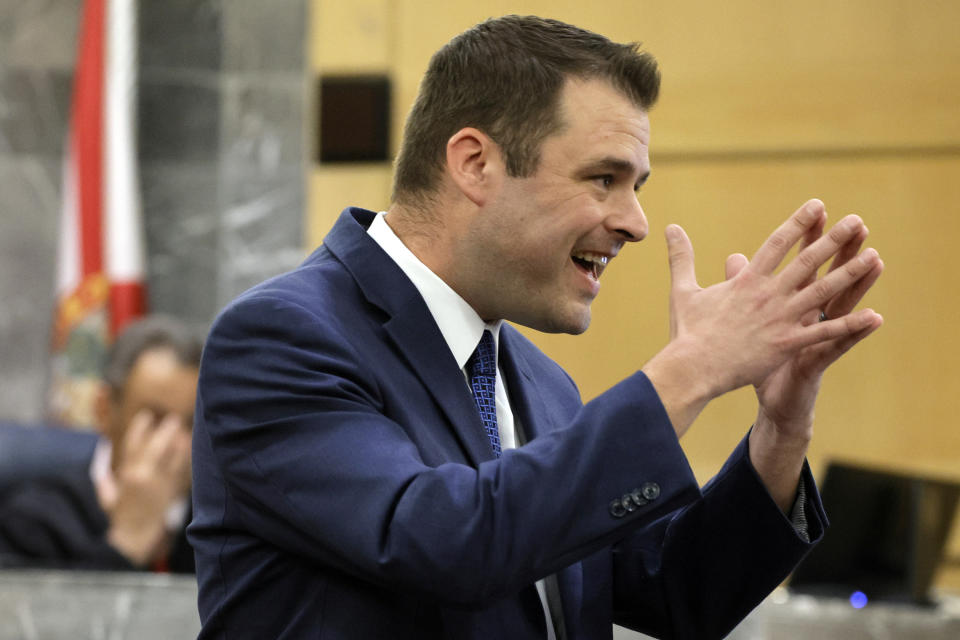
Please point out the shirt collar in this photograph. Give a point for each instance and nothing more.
(459, 324)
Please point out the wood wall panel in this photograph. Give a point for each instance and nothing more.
(757, 75)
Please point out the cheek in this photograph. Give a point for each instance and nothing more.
(118, 423)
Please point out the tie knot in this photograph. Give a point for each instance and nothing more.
(483, 361)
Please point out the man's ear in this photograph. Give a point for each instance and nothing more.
(474, 164)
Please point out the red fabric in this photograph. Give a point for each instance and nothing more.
(88, 136)
(126, 305)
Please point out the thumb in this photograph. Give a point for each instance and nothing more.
(138, 432)
(735, 264)
(680, 254)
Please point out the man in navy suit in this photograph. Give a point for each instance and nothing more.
(345, 483)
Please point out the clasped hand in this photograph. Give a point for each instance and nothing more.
(761, 326)
(757, 320)
(778, 331)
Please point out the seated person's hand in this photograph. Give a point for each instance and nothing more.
(154, 472)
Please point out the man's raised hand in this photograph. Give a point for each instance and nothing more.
(742, 330)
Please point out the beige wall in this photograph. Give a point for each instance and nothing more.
(764, 105)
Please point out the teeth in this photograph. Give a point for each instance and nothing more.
(598, 262)
(596, 258)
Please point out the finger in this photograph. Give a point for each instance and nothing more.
(171, 427)
(772, 252)
(840, 329)
(177, 454)
(162, 439)
(811, 317)
(680, 253)
(814, 232)
(736, 263)
(137, 432)
(850, 341)
(850, 250)
(812, 235)
(183, 451)
(819, 294)
(805, 265)
(840, 346)
(846, 302)
(850, 298)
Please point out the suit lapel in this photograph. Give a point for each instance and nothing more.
(418, 338)
(525, 400)
(410, 326)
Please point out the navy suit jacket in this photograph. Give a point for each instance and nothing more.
(344, 486)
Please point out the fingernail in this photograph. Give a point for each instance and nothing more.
(854, 222)
(811, 211)
(869, 256)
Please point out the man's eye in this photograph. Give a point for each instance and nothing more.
(604, 181)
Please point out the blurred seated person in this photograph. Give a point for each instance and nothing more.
(117, 500)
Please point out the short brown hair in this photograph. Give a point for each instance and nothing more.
(504, 77)
(152, 332)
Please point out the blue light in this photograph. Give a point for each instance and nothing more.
(858, 599)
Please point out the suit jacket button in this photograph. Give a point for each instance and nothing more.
(650, 490)
(617, 509)
(627, 503)
(637, 498)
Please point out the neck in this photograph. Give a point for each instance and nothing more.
(437, 242)
(424, 233)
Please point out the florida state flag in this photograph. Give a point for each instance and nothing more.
(101, 259)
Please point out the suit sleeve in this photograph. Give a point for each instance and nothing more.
(294, 441)
(44, 526)
(698, 572)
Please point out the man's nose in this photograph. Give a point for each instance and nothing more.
(628, 220)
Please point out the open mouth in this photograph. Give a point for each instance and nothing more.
(591, 263)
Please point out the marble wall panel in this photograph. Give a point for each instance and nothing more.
(34, 104)
(262, 187)
(261, 226)
(181, 34)
(29, 209)
(265, 36)
(74, 605)
(179, 119)
(38, 34)
(181, 223)
(262, 122)
(180, 48)
(37, 49)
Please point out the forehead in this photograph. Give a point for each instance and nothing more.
(599, 120)
(160, 381)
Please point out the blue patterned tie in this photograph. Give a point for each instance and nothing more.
(482, 366)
